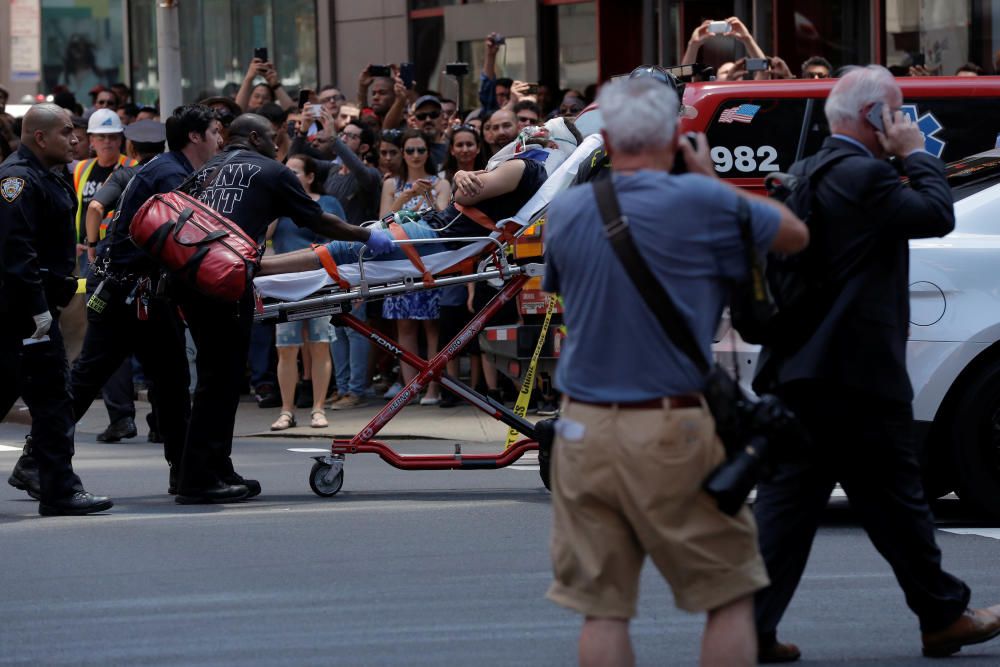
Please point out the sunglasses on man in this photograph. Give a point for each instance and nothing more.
(330, 99)
(433, 115)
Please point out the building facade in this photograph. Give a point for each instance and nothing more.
(564, 43)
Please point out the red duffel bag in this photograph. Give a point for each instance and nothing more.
(196, 244)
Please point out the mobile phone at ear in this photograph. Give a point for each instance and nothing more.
(874, 117)
(261, 53)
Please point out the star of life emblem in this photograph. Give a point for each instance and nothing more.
(11, 187)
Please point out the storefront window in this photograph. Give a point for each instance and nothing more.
(218, 41)
(838, 30)
(511, 63)
(577, 45)
(936, 33)
(82, 45)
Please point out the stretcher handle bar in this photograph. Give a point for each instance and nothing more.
(274, 310)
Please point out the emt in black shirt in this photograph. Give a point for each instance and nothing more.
(250, 187)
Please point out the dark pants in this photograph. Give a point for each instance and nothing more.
(221, 332)
(158, 342)
(118, 392)
(262, 356)
(41, 374)
(866, 444)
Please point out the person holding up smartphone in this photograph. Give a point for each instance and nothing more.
(253, 93)
(715, 29)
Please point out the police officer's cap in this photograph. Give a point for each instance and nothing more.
(146, 132)
(656, 73)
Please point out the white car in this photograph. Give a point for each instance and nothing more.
(953, 354)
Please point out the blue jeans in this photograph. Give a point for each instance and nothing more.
(350, 357)
(346, 252)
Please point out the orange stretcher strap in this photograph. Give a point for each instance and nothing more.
(410, 251)
(326, 259)
(483, 220)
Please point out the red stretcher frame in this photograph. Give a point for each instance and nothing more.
(430, 371)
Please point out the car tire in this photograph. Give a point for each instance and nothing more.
(976, 441)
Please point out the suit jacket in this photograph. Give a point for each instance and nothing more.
(860, 206)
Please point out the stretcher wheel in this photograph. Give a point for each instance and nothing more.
(319, 484)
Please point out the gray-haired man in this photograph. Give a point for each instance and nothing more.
(634, 446)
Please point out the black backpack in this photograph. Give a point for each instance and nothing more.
(786, 297)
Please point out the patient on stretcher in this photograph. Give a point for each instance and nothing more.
(481, 199)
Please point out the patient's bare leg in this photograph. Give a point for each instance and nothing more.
(289, 262)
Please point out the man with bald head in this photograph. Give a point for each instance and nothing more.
(251, 188)
(37, 258)
(504, 125)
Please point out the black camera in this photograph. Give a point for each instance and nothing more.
(768, 430)
(456, 69)
(379, 70)
(680, 164)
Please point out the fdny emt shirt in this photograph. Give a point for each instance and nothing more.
(252, 190)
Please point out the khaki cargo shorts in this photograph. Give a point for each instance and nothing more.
(627, 483)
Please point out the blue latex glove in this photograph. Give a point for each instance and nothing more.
(380, 243)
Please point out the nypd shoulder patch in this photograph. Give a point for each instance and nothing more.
(11, 187)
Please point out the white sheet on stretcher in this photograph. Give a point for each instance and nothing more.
(297, 286)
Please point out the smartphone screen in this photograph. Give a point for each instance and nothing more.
(406, 74)
(875, 117)
(304, 96)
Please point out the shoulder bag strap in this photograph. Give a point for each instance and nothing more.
(189, 181)
(652, 292)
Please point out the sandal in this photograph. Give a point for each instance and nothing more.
(319, 419)
(285, 420)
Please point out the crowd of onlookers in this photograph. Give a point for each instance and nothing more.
(380, 149)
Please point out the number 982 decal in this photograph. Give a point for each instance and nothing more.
(744, 159)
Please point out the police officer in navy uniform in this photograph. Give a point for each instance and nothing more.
(37, 258)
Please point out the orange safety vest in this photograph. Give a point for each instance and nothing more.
(80, 177)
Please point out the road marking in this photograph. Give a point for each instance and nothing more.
(993, 533)
(8, 448)
(254, 509)
(309, 450)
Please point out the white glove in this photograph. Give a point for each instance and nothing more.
(43, 322)
(380, 242)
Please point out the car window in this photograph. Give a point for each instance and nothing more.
(958, 126)
(755, 137)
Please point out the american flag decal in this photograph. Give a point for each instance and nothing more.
(744, 113)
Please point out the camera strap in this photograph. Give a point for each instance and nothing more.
(616, 229)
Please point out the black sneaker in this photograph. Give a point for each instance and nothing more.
(77, 504)
(123, 428)
(267, 397)
(547, 409)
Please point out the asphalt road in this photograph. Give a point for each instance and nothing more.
(401, 568)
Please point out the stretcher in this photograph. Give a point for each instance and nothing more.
(316, 294)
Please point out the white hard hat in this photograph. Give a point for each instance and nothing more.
(104, 121)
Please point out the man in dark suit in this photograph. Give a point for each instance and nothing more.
(848, 382)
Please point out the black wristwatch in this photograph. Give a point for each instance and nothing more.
(92, 244)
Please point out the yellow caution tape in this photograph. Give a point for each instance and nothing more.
(81, 285)
(528, 384)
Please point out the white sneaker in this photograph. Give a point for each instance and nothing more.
(391, 392)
